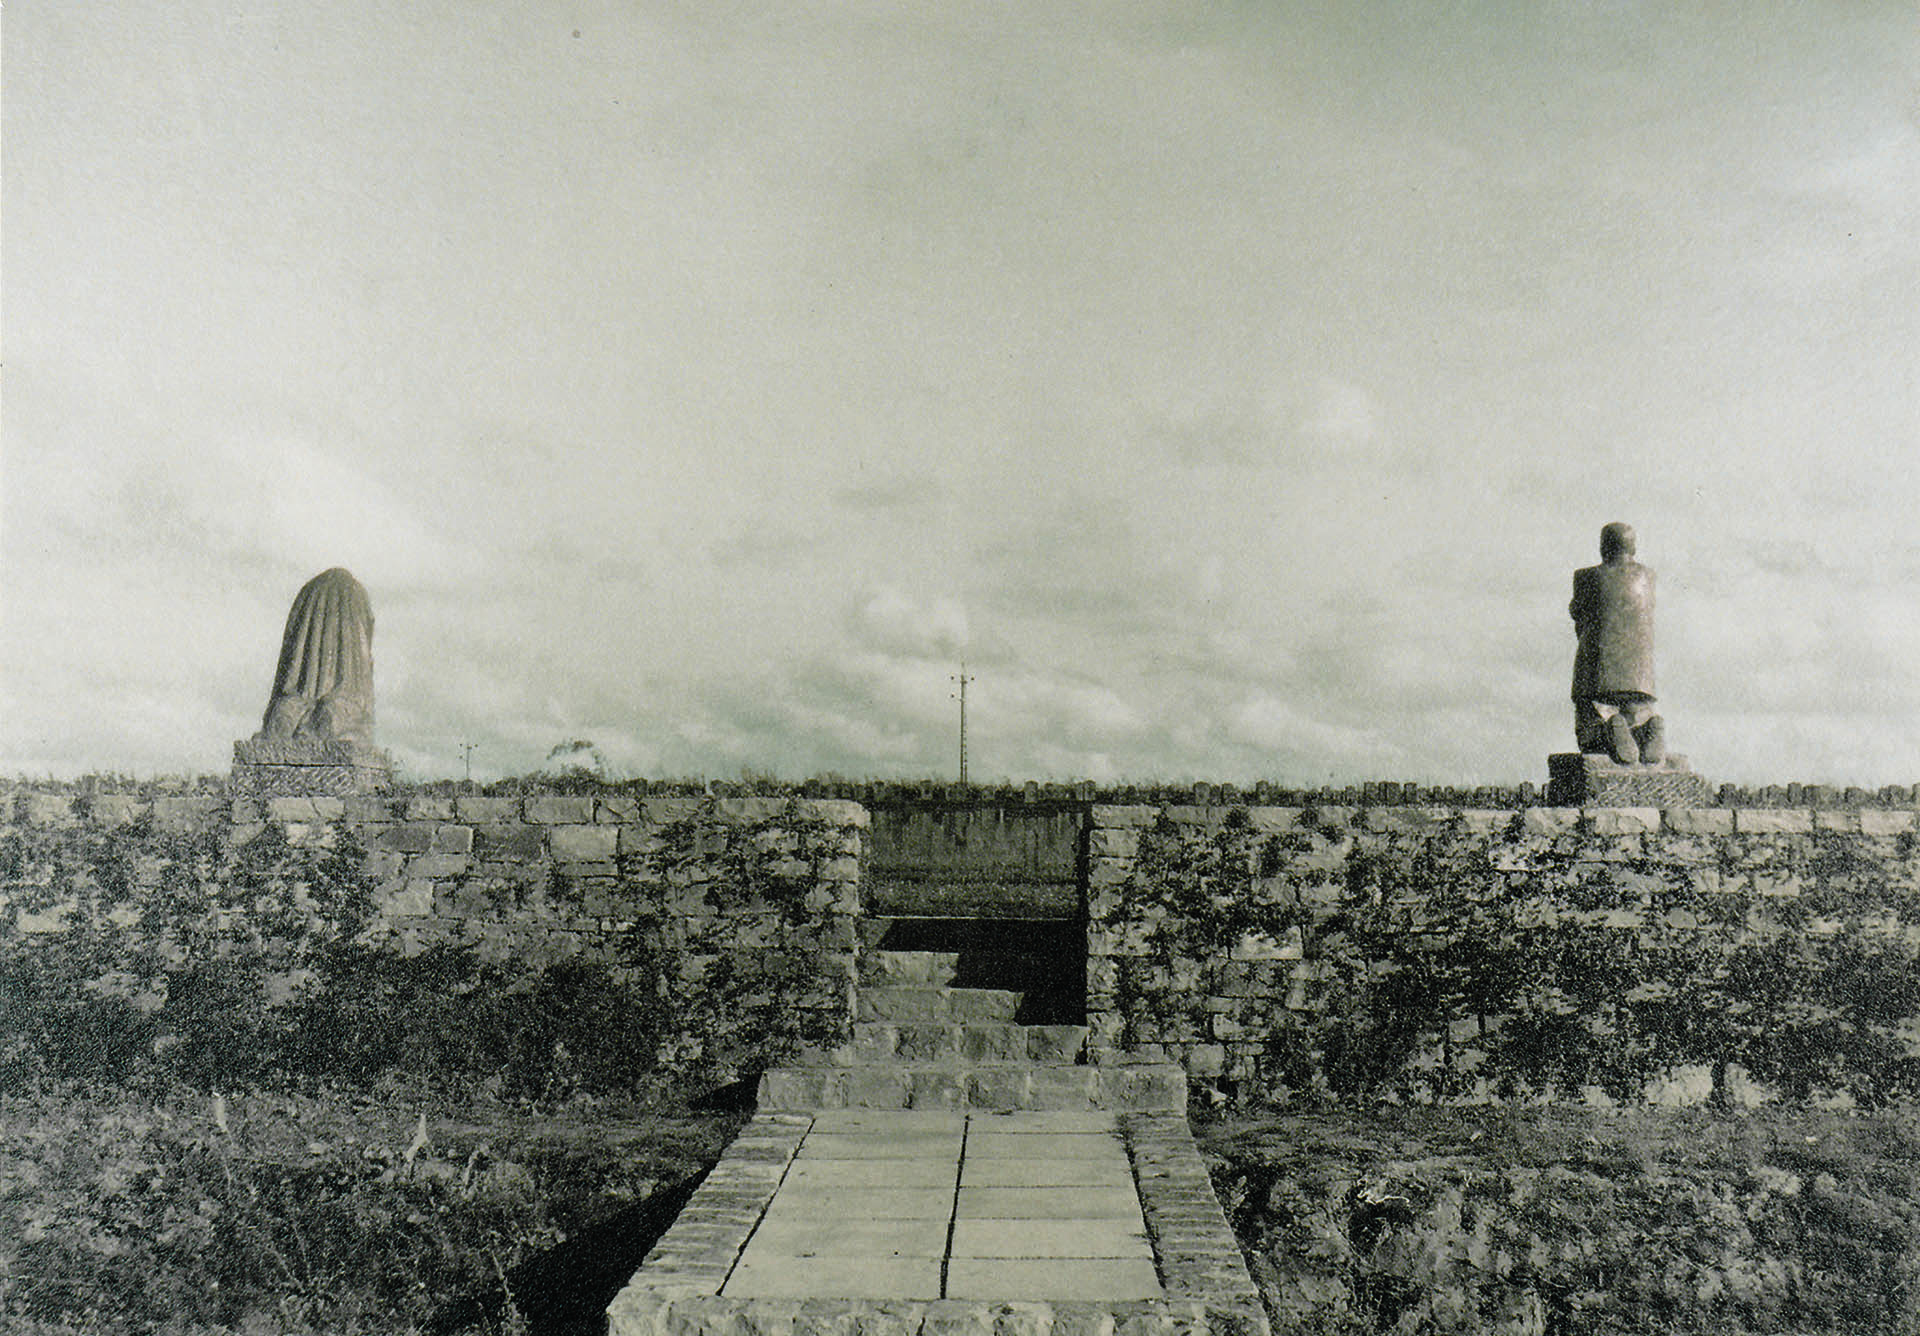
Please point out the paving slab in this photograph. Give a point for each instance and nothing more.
(1059, 1203)
(881, 1145)
(1083, 1172)
(1043, 1145)
(864, 1204)
(888, 1120)
(1051, 1238)
(1064, 1120)
(928, 1173)
(1005, 1279)
(813, 1236)
(836, 1278)
(770, 1243)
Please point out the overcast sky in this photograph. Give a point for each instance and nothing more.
(1235, 387)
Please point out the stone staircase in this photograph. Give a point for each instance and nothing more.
(921, 1042)
(957, 1168)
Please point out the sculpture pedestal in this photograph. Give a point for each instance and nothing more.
(263, 769)
(1589, 780)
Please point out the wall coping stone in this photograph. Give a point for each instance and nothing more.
(1773, 820)
(1621, 820)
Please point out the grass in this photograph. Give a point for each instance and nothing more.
(1554, 1222)
(331, 1214)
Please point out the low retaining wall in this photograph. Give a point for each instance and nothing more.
(730, 924)
(1352, 952)
(1434, 954)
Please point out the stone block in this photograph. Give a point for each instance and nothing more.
(1681, 1086)
(1204, 1059)
(184, 813)
(1486, 821)
(1586, 780)
(667, 811)
(410, 837)
(515, 842)
(1623, 820)
(1054, 1043)
(363, 808)
(429, 807)
(583, 844)
(1773, 821)
(1549, 821)
(1387, 820)
(1698, 820)
(1845, 820)
(877, 1088)
(451, 840)
(1878, 822)
(473, 808)
(291, 769)
(1113, 842)
(437, 865)
(119, 809)
(637, 840)
(555, 809)
(615, 808)
(1122, 817)
(837, 812)
(413, 900)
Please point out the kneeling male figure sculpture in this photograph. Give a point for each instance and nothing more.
(1612, 612)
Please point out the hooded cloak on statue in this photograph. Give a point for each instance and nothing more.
(323, 689)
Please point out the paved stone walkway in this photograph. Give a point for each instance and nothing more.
(951, 1171)
(889, 1204)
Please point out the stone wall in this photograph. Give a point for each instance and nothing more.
(1396, 952)
(732, 920)
(1422, 954)
(540, 876)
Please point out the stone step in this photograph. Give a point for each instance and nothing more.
(998, 1087)
(980, 1041)
(883, 968)
(924, 1002)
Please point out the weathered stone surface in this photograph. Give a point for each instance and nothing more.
(1612, 611)
(1550, 820)
(517, 842)
(1876, 822)
(1698, 820)
(554, 809)
(264, 769)
(1624, 820)
(1596, 781)
(1772, 820)
(583, 844)
(323, 686)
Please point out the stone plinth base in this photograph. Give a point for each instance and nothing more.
(1588, 780)
(263, 769)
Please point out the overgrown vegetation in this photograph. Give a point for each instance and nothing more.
(1577, 1223)
(257, 1214)
(229, 1103)
(143, 957)
(1443, 963)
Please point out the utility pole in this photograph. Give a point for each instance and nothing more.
(963, 679)
(466, 750)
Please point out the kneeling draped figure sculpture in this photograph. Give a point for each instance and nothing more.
(317, 734)
(323, 688)
(1612, 612)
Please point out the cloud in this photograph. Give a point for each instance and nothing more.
(890, 620)
(901, 492)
